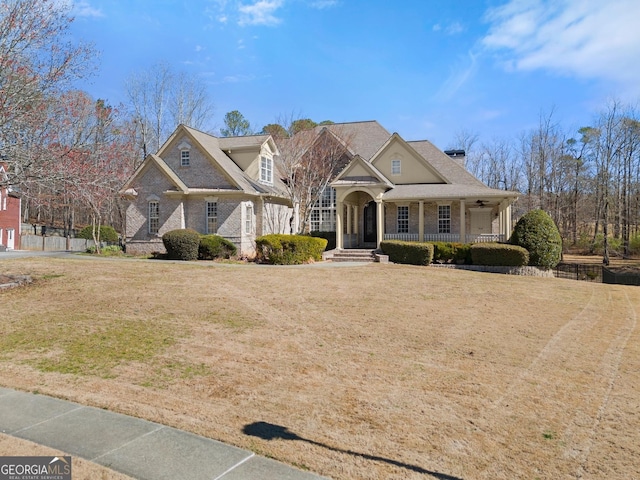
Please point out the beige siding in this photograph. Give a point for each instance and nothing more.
(413, 170)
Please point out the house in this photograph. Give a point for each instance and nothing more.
(393, 189)
(224, 186)
(10, 213)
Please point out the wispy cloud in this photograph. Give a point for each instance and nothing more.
(464, 70)
(453, 28)
(583, 38)
(321, 4)
(260, 12)
(84, 9)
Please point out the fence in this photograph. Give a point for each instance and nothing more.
(578, 271)
(621, 278)
(54, 243)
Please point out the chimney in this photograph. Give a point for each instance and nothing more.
(458, 155)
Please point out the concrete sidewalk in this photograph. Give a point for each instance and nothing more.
(138, 448)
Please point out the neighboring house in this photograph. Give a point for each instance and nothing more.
(407, 190)
(10, 214)
(224, 186)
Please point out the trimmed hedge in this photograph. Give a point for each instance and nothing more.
(107, 233)
(499, 255)
(182, 244)
(412, 253)
(215, 246)
(537, 232)
(278, 249)
(329, 236)
(451, 252)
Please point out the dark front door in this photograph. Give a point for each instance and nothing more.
(370, 223)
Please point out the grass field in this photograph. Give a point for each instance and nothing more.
(358, 372)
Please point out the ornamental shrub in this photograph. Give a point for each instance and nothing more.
(181, 244)
(278, 249)
(412, 253)
(329, 236)
(451, 252)
(107, 233)
(215, 246)
(499, 254)
(537, 232)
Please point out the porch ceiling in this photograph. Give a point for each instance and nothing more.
(445, 191)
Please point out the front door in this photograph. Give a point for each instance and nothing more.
(10, 239)
(370, 222)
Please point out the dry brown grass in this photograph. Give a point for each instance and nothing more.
(377, 371)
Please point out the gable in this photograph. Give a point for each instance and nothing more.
(413, 168)
(201, 172)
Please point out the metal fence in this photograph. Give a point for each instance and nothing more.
(620, 278)
(579, 271)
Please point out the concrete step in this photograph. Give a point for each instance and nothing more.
(351, 255)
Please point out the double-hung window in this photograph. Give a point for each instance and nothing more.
(185, 158)
(212, 217)
(444, 218)
(403, 219)
(323, 212)
(396, 167)
(154, 217)
(248, 221)
(266, 170)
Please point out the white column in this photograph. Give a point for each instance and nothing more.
(463, 222)
(349, 208)
(380, 222)
(339, 232)
(421, 221)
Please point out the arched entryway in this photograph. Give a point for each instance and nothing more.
(370, 223)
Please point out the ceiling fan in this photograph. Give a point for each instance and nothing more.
(481, 203)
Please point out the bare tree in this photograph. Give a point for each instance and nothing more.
(161, 99)
(37, 62)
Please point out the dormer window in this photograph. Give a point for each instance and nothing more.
(185, 158)
(266, 170)
(396, 167)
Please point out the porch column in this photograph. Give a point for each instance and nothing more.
(355, 220)
(339, 233)
(380, 222)
(349, 209)
(421, 221)
(463, 222)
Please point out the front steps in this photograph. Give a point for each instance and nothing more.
(351, 255)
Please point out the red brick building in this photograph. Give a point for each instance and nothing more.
(10, 214)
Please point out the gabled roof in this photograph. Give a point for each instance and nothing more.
(443, 163)
(375, 177)
(162, 166)
(362, 138)
(249, 141)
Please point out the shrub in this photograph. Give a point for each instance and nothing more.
(182, 244)
(329, 236)
(107, 233)
(215, 246)
(499, 254)
(278, 249)
(447, 252)
(537, 232)
(412, 253)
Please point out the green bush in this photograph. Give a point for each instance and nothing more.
(499, 254)
(412, 253)
(451, 252)
(182, 244)
(279, 249)
(107, 234)
(329, 236)
(215, 246)
(537, 232)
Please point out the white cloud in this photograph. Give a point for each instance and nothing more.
(320, 4)
(454, 28)
(83, 9)
(583, 38)
(261, 12)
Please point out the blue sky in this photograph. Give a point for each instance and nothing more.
(423, 68)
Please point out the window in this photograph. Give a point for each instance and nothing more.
(212, 217)
(248, 221)
(185, 158)
(154, 217)
(323, 213)
(444, 218)
(395, 167)
(403, 219)
(266, 170)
